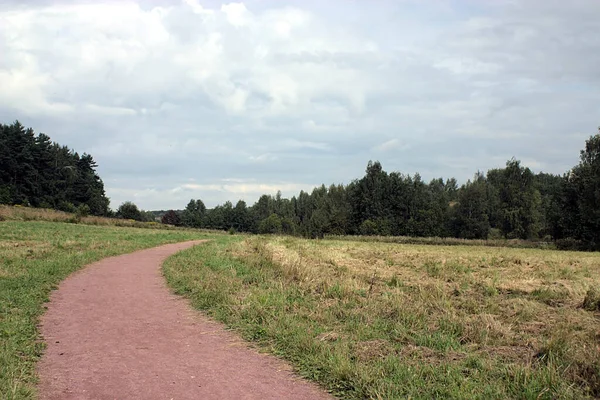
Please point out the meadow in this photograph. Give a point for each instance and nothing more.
(368, 319)
(365, 318)
(35, 255)
(19, 213)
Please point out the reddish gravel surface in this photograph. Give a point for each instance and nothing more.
(114, 331)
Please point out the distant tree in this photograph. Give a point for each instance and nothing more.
(147, 216)
(471, 220)
(215, 218)
(288, 226)
(581, 203)
(228, 215)
(509, 202)
(242, 219)
(369, 194)
(519, 200)
(194, 214)
(368, 228)
(263, 208)
(171, 218)
(551, 189)
(129, 210)
(271, 224)
(35, 171)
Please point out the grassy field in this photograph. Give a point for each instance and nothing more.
(34, 257)
(381, 320)
(19, 213)
(447, 241)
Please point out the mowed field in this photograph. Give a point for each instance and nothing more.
(381, 320)
(34, 257)
(364, 319)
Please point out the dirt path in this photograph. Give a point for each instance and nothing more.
(114, 331)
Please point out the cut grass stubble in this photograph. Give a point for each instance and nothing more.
(376, 320)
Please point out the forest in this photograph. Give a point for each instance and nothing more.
(510, 202)
(37, 172)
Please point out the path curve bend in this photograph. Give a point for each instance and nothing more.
(115, 331)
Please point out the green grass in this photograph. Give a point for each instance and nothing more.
(34, 258)
(380, 320)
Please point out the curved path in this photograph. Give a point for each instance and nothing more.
(114, 331)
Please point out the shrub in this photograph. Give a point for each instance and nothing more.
(171, 218)
(495, 234)
(83, 210)
(368, 228)
(129, 210)
(569, 244)
(271, 224)
(66, 206)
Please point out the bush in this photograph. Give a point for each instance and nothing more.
(45, 204)
(66, 206)
(569, 244)
(129, 210)
(271, 224)
(83, 210)
(495, 234)
(368, 228)
(171, 218)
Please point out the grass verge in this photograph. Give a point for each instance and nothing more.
(378, 320)
(447, 241)
(34, 258)
(20, 213)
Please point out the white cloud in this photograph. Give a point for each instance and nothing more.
(273, 93)
(392, 144)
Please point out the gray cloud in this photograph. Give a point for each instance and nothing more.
(226, 101)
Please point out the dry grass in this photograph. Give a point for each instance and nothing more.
(515, 308)
(446, 241)
(19, 213)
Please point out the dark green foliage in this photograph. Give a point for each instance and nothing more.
(551, 188)
(368, 228)
(34, 171)
(128, 210)
(581, 201)
(83, 210)
(241, 219)
(519, 200)
(194, 214)
(505, 203)
(171, 218)
(471, 219)
(271, 224)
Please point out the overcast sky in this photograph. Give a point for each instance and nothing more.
(226, 101)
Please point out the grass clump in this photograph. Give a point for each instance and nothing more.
(384, 320)
(34, 257)
(591, 302)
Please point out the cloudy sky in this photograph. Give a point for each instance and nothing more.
(222, 101)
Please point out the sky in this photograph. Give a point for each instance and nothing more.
(225, 101)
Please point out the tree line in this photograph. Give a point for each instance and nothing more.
(37, 172)
(510, 202)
